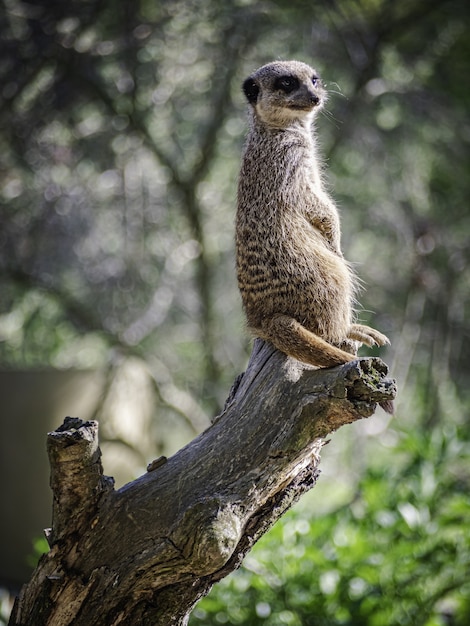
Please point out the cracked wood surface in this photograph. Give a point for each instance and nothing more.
(146, 553)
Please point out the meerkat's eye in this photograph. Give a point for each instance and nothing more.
(315, 80)
(286, 83)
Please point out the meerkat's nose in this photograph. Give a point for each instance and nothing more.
(312, 98)
(310, 95)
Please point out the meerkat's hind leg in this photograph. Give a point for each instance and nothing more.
(367, 335)
(290, 337)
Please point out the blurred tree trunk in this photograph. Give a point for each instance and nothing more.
(145, 554)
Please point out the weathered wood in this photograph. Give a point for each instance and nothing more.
(145, 554)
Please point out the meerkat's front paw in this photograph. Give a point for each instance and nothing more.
(367, 335)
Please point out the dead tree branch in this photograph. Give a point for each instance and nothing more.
(145, 554)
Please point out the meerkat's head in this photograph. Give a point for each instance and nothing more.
(284, 91)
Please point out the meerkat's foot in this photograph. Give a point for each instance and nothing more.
(349, 345)
(367, 335)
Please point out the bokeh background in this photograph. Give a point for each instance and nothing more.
(121, 127)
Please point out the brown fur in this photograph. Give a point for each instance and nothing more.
(298, 292)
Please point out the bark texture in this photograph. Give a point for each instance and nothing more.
(145, 554)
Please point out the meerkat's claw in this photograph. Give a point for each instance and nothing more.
(367, 335)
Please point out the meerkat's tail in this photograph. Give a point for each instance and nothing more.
(290, 337)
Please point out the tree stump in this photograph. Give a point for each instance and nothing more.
(146, 553)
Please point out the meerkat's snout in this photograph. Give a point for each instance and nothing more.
(314, 99)
(305, 97)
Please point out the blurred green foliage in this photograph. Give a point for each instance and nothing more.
(121, 126)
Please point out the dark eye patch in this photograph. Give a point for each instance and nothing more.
(286, 83)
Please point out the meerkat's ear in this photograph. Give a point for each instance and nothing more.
(251, 90)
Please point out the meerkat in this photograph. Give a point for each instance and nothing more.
(298, 291)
